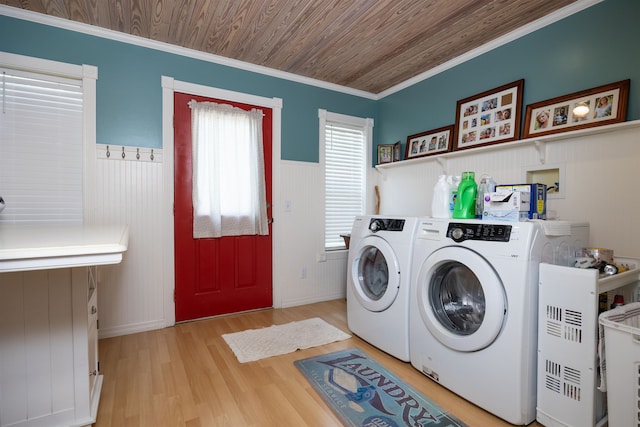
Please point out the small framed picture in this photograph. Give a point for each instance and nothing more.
(428, 143)
(490, 117)
(599, 106)
(385, 153)
(397, 152)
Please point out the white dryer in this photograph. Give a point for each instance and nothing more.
(378, 281)
(473, 310)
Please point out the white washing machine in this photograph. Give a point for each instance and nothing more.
(473, 310)
(378, 281)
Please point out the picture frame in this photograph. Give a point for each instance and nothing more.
(397, 152)
(602, 105)
(490, 117)
(385, 153)
(435, 141)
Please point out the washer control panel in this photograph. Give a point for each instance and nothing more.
(386, 224)
(489, 232)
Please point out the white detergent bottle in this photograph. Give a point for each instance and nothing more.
(441, 196)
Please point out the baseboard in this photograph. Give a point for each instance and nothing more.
(130, 329)
(313, 300)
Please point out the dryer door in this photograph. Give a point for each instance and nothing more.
(461, 298)
(375, 274)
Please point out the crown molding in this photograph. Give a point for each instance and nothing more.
(66, 24)
(39, 18)
(514, 35)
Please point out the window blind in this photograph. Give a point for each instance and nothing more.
(344, 180)
(41, 147)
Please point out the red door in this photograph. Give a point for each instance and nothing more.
(221, 275)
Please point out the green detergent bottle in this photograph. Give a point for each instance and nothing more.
(465, 206)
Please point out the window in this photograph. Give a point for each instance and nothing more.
(344, 144)
(46, 119)
(229, 193)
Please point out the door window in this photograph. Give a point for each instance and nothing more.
(229, 196)
(461, 298)
(374, 273)
(457, 298)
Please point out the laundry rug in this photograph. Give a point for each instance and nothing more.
(256, 344)
(362, 393)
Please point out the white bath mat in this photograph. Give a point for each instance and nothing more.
(256, 344)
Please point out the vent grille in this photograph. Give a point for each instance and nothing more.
(554, 313)
(553, 368)
(572, 392)
(573, 334)
(554, 329)
(552, 384)
(573, 317)
(564, 380)
(554, 321)
(573, 326)
(564, 323)
(572, 375)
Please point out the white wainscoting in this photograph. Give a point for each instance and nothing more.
(130, 190)
(308, 273)
(600, 183)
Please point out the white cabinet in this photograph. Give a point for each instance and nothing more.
(48, 357)
(49, 369)
(568, 378)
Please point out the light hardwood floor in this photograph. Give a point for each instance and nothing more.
(187, 376)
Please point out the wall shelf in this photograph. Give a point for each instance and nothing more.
(540, 144)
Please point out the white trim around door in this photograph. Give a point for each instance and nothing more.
(169, 86)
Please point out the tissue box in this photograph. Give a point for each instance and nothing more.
(537, 194)
(506, 206)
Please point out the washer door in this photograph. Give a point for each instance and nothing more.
(461, 299)
(375, 274)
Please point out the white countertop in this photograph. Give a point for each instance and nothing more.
(38, 246)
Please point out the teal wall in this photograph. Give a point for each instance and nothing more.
(129, 93)
(591, 48)
(596, 46)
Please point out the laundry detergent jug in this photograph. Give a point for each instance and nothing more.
(440, 202)
(465, 206)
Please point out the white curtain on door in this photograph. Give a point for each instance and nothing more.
(229, 192)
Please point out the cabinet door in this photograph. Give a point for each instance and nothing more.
(38, 342)
(92, 310)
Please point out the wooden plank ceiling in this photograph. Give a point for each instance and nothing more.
(369, 45)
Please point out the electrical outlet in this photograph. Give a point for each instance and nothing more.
(287, 205)
(303, 272)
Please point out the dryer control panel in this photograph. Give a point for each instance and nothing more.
(386, 224)
(488, 232)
